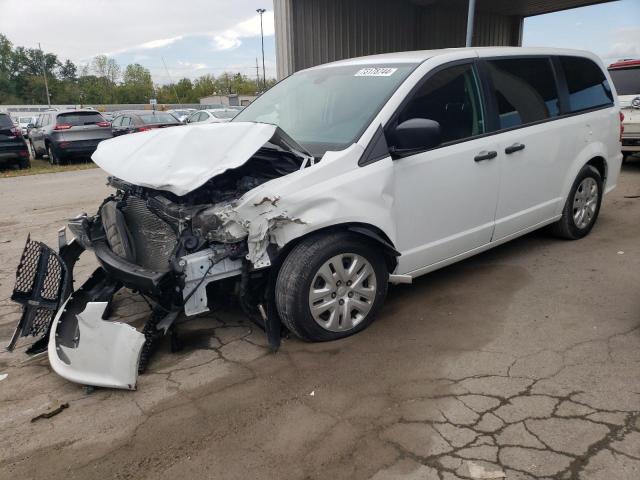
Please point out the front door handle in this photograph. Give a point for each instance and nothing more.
(484, 155)
(516, 147)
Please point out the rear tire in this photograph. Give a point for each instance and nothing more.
(347, 301)
(53, 158)
(35, 152)
(582, 206)
(24, 163)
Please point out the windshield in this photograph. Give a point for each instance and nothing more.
(158, 118)
(224, 114)
(626, 80)
(327, 108)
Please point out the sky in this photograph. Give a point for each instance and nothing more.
(611, 30)
(196, 37)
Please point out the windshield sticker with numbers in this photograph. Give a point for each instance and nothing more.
(375, 72)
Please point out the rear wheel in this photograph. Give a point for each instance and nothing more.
(582, 206)
(53, 158)
(35, 152)
(331, 286)
(24, 163)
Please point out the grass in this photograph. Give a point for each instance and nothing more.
(43, 166)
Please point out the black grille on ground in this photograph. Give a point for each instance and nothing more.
(153, 238)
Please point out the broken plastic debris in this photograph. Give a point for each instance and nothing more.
(51, 413)
(480, 472)
(620, 252)
(3, 376)
(312, 394)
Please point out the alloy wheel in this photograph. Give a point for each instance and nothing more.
(585, 202)
(342, 292)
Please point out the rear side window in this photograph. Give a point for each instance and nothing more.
(5, 121)
(77, 119)
(525, 90)
(588, 87)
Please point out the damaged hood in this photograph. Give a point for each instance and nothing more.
(181, 159)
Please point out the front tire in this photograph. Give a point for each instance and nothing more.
(331, 286)
(582, 206)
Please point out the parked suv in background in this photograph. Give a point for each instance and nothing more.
(212, 115)
(67, 134)
(626, 78)
(13, 148)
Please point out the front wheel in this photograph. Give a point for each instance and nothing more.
(331, 286)
(582, 206)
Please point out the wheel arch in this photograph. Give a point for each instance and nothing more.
(365, 230)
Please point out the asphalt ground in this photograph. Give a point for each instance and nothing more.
(520, 362)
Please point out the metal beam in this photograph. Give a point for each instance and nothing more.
(471, 15)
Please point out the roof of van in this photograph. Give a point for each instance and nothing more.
(419, 56)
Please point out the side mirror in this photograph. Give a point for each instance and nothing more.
(414, 135)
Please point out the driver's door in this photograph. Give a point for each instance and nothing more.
(446, 197)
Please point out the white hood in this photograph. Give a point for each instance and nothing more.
(181, 159)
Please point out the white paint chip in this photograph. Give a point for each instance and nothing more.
(312, 394)
(3, 376)
(620, 252)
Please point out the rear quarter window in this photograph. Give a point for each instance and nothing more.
(587, 84)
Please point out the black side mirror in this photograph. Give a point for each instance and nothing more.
(414, 135)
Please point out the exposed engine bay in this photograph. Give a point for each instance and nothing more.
(183, 253)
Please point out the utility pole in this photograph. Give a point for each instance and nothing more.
(257, 76)
(44, 74)
(175, 90)
(264, 77)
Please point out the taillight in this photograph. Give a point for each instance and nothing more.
(103, 124)
(621, 125)
(62, 126)
(144, 129)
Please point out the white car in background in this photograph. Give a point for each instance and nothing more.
(215, 115)
(181, 113)
(626, 78)
(24, 122)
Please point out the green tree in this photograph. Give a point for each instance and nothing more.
(137, 85)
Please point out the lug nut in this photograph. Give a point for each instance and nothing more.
(338, 283)
(341, 302)
(333, 295)
(350, 294)
(349, 283)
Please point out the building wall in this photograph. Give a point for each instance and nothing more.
(311, 32)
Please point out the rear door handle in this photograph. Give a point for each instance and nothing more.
(516, 147)
(484, 155)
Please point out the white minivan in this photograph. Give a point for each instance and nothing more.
(337, 181)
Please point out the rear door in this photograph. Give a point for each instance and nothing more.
(534, 151)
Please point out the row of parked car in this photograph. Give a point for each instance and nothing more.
(63, 135)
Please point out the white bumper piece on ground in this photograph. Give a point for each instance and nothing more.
(106, 353)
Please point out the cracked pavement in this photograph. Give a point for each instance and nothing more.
(520, 363)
